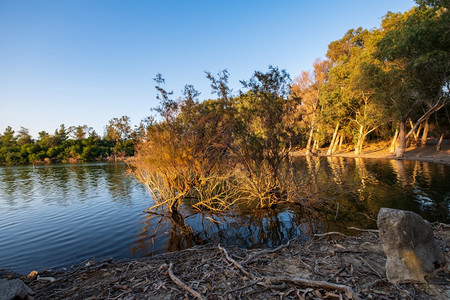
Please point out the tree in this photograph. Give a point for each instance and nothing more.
(79, 132)
(266, 125)
(308, 87)
(348, 86)
(8, 139)
(415, 63)
(24, 137)
(117, 131)
(60, 135)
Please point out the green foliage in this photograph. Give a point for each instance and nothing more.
(380, 78)
(266, 124)
(65, 145)
(217, 152)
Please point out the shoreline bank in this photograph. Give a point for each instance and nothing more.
(330, 266)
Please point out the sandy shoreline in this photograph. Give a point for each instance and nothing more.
(425, 154)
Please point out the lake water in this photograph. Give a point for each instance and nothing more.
(60, 215)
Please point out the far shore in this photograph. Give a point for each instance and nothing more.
(426, 154)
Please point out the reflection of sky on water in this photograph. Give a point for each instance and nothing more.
(55, 216)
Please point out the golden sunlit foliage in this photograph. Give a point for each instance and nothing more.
(235, 149)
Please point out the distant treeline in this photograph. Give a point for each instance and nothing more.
(68, 144)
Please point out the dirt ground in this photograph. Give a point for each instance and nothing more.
(381, 150)
(329, 266)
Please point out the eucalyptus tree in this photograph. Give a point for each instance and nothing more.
(414, 64)
(348, 100)
(308, 87)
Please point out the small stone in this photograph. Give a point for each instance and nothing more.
(32, 275)
(409, 244)
(14, 289)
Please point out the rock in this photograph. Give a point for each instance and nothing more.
(32, 275)
(14, 289)
(409, 244)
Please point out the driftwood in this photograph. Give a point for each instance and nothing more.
(182, 285)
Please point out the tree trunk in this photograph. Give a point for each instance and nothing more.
(314, 146)
(359, 141)
(336, 142)
(438, 147)
(308, 145)
(423, 141)
(414, 133)
(333, 139)
(394, 140)
(401, 141)
(418, 134)
(361, 144)
(340, 142)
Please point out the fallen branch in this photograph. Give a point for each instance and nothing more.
(239, 266)
(364, 230)
(316, 284)
(273, 287)
(49, 279)
(370, 267)
(329, 233)
(182, 285)
(251, 258)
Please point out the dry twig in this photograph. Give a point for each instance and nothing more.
(239, 266)
(251, 258)
(182, 285)
(321, 235)
(316, 284)
(364, 230)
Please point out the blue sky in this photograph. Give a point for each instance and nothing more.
(84, 62)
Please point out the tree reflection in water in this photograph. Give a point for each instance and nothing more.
(240, 228)
(338, 193)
